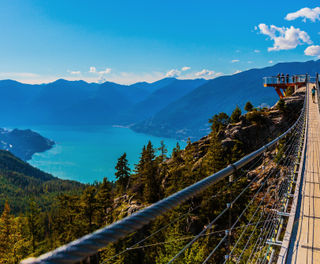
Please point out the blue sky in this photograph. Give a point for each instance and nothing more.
(130, 41)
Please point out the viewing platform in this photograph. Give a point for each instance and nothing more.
(282, 82)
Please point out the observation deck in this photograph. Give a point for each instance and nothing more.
(282, 82)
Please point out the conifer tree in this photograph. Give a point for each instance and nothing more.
(237, 152)
(5, 230)
(150, 190)
(146, 174)
(139, 167)
(33, 222)
(70, 221)
(122, 173)
(215, 159)
(176, 152)
(136, 180)
(14, 245)
(235, 116)
(103, 198)
(248, 107)
(89, 206)
(163, 151)
(219, 122)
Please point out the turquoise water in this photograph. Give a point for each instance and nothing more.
(89, 154)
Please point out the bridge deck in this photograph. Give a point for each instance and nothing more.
(305, 246)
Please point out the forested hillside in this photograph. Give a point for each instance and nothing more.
(21, 183)
(156, 176)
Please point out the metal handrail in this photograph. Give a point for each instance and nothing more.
(90, 244)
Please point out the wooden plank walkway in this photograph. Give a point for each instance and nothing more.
(305, 244)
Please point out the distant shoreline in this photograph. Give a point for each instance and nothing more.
(24, 143)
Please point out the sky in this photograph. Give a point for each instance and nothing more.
(143, 40)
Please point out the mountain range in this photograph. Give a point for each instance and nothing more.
(169, 107)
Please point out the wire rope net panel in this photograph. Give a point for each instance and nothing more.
(239, 195)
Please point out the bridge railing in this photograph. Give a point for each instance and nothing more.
(88, 245)
(318, 89)
(297, 176)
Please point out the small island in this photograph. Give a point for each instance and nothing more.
(23, 143)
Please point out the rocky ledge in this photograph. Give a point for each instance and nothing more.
(255, 128)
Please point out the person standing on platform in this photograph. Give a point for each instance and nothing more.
(313, 91)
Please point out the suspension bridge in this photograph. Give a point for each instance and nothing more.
(280, 222)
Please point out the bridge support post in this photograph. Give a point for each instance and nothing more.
(279, 93)
(229, 205)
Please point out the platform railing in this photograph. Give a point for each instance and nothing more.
(285, 79)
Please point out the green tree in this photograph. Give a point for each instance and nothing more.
(219, 121)
(69, 221)
(248, 107)
(163, 151)
(5, 231)
(235, 116)
(13, 246)
(104, 202)
(237, 151)
(122, 173)
(176, 154)
(145, 179)
(33, 222)
(89, 207)
(149, 175)
(215, 158)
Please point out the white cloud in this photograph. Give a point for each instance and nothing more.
(284, 38)
(305, 13)
(270, 61)
(18, 75)
(256, 51)
(249, 62)
(74, 72)
(94, 70)
(313, 50)
(204, 73)
(173, 73)
(106, 71)
(237, 71)
(185, 68)
(234, 61)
